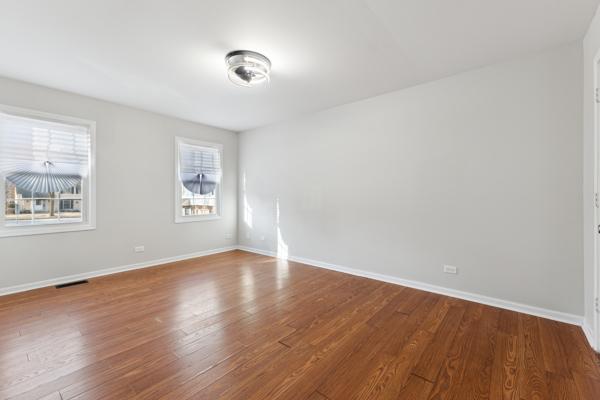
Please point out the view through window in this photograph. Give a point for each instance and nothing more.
(198, 204)
(24, 207)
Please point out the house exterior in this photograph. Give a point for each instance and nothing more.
(23, 205)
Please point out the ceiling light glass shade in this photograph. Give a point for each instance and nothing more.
(247, 68)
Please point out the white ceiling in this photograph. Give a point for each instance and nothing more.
(168, 55)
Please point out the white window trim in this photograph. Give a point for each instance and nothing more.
(180, 219)
(89, 214)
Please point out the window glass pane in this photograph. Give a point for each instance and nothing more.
(22, 207)
(199, 174)
(43, 164)
(197, 204)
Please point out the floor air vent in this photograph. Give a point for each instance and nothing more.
(71, 284)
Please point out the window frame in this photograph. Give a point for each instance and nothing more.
(182, 219)
(88, 210)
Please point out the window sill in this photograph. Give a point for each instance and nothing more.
(196, 218)
(14, 231)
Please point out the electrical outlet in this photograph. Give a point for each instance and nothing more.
(229, 236)
(262, 238)
(449, 269)
(247, 235)
(139, 249)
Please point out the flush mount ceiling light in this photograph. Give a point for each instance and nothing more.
(247, 68)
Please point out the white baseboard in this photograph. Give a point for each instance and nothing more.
(478, 298)
(589, 334)
(108, 271)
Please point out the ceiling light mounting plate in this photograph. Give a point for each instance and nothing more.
(247, 68)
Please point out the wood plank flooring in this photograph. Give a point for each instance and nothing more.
(242, 326)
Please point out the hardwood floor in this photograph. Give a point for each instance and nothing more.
(242, 326)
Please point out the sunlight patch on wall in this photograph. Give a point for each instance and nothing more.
(282, 247)
(247, 208)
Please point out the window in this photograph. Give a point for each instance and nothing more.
(46, 172)
(197, 180)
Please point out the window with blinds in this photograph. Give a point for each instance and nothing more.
(198, 180)
(46, 172)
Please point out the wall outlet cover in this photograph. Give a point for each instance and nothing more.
(450, 269)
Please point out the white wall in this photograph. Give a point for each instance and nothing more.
(135, 199)
(480, 170)
(591, 47)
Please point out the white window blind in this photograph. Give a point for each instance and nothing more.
(199, 168)
(43, 156)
